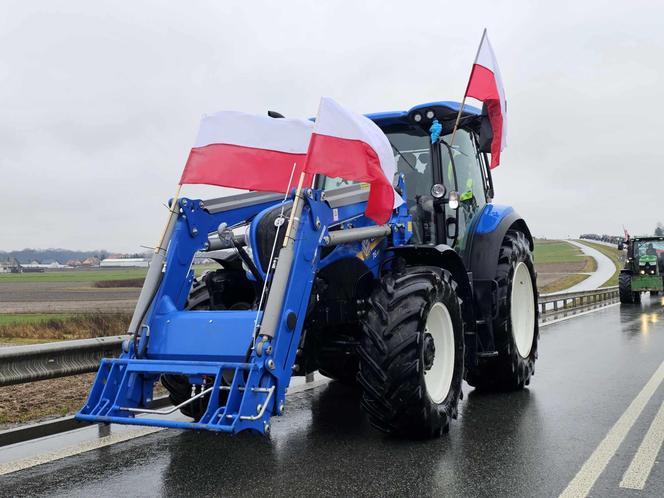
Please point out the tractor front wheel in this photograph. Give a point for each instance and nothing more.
(627, 296)
(411, 352)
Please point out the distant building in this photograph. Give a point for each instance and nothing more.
(91, 261)
(53, 265)
(124, 263)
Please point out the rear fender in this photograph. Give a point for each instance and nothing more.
(487, 237)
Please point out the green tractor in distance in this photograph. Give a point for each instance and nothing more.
(644, 267)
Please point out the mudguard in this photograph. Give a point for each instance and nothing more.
(486, 237)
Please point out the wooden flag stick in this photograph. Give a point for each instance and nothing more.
(465, 94)
(458, 118)
(172, 209)
(295, 213)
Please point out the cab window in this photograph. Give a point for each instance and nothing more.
(467, 179)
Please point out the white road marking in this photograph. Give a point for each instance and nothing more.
(637, 474)
(26, 463)
(585, 479)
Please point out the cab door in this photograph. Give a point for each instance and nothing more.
(462, 172)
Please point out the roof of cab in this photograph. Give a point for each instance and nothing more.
(401, 117)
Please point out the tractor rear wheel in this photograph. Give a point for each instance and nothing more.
(411, 352)
(627, 296)
(515, 329)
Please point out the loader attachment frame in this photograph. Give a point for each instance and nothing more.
(244, 369)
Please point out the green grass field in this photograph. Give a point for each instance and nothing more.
(565, 259)
(555, 251)
(95, 275)
(75, 275)
(28, 318)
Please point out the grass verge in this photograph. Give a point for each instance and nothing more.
(44, 328)
(555, 251)
(26, 318)
(612, 253)
(93, 275)
(563, 283)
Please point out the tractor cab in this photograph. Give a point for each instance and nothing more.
(648, 255)
(447, 184)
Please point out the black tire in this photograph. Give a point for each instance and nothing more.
(395, 353)
(508, 370)
(627, 296)
(338, 360)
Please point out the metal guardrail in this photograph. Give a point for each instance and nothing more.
(563, 304)
(22, 364)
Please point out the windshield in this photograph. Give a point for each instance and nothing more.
(649, 247)
(411, 148)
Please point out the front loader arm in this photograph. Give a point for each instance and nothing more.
(243, 369)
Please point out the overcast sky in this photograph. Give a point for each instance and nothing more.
(100, 101)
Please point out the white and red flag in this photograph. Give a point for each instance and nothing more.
(247, 151)
(350, 146)
(486, 85)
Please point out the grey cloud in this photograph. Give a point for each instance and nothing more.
(99, 101)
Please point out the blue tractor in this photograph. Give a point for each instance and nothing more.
(444, 291)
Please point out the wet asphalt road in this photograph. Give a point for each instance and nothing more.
(528, 443)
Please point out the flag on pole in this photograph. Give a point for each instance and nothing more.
(350, 146)
(486, 85)
(248, 151)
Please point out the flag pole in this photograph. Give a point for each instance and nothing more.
(465, 94)
(153, 277)
(294, 215)
(171, 208)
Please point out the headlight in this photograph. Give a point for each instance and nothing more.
(417, 117)
(643, 272)
(453, 200)
(430, 114)
(438, 191)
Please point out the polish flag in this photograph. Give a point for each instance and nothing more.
(485, 84)
(247, 151)
(351, 146)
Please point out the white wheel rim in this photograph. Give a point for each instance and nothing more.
(438, 379)
(522, 312)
